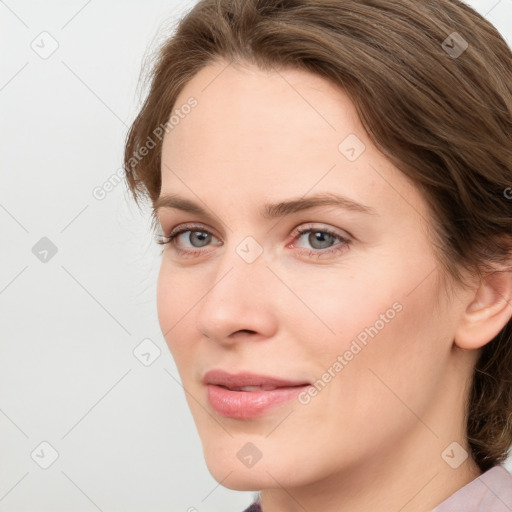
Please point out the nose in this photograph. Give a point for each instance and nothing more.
(239, 301)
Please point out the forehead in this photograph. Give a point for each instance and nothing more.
(246, 102)
(259, 120)
(259, 132)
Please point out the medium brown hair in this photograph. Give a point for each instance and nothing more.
(440, 111)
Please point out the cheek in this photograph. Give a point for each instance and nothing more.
(382, 317)
(335, 305)
(393, 347)
(166, 301)
(175, 301)
(178, 290)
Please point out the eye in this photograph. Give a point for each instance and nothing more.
(189, 239)
(194, 235)
(196, 238)
(318, 239)
(322, 240)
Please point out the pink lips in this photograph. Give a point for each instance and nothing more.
(227, 399)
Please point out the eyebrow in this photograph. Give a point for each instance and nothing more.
(270, 210)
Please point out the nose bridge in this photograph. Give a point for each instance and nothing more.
(236, 298)
(241, 268)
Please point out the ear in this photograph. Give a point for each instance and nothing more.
(489, 310)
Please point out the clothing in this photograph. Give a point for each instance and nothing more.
(254, 507)
(490, 492)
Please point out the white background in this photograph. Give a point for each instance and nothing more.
(68, 375)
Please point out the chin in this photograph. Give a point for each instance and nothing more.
(238, 465)
(238, 479)
(272, 470)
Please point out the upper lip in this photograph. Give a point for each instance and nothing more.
(229, 380)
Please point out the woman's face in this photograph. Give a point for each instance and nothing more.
(354, 305)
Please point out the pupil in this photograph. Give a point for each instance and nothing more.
(319, 240)
(201, 236)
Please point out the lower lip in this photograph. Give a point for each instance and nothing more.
(248, 404)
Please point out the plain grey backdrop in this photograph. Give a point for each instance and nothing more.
(92, 414)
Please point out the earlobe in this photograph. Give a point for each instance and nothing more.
(488, 312)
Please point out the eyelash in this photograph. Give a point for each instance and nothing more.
(344, 242)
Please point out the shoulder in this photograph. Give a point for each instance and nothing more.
(490, 492)
(254, 507)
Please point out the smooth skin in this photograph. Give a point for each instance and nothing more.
(373, 437)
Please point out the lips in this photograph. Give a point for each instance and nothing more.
(245, 395)
(236, 382)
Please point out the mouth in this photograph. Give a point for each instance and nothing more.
(248, 395)
(254, 388)
(242, 380)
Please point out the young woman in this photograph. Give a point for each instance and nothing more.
(332, 181)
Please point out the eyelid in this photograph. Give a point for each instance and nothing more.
(191, 226)
(344, 242)
(299, 229)
(314, 226)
